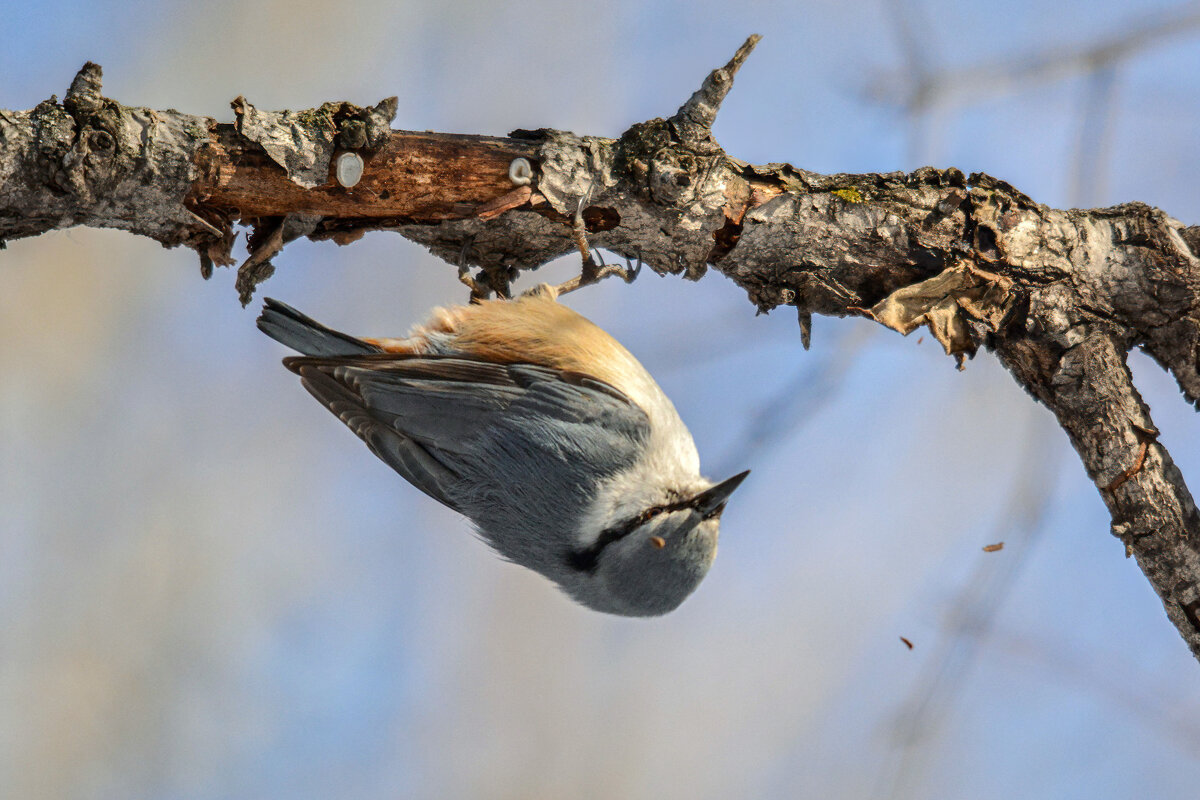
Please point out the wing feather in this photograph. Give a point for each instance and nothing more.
(414, 463)
(441, 422)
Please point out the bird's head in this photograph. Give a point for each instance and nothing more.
(645, 560)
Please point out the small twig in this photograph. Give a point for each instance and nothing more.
(695, 118)
(805, 320)
(84, 94)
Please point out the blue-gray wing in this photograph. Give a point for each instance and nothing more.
(479, 436)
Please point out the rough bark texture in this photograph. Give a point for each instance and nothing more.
(1060, 296)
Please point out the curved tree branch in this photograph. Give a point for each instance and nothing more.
(1060, 296)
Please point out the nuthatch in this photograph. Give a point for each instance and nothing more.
(541, 429)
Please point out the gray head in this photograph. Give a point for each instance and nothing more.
(647, 563)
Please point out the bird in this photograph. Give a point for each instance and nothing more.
(539, 427)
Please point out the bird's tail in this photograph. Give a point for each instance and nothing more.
(305, 335)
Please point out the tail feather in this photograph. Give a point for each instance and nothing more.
(305, 335)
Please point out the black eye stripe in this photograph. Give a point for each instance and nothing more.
(585, 559)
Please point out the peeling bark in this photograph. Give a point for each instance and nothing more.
(1059, 296)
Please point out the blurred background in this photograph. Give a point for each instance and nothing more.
(210, 589)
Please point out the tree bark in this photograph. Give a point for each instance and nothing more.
(1059, 296)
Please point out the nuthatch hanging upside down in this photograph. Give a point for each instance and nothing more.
(540, 428)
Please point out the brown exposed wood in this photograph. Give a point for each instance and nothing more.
(419, 177)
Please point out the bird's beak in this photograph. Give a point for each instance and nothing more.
(712, 500)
